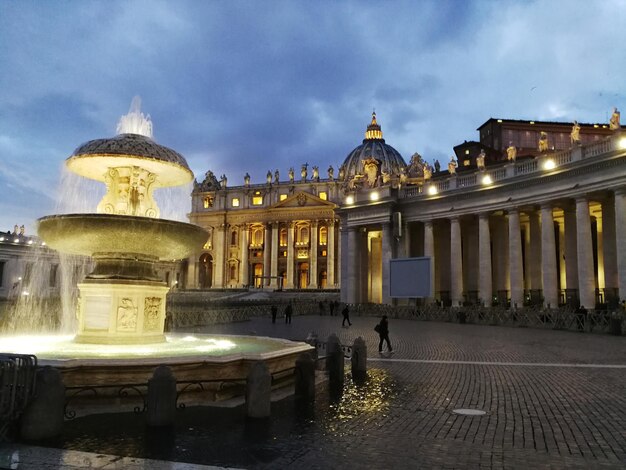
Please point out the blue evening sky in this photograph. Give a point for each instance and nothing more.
(252, 86)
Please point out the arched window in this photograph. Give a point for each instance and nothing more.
(323, 235)
(233, 272)
(258, 237)
(233, 238)
(283, 237)
(206, 271)
(303, 235)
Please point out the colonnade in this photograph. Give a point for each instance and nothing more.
(571, 250)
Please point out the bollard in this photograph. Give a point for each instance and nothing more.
(258, 391)
(161, 404)
(43, 416)
(305, 377)
(359, 358)
(334, 362)
(312, 340)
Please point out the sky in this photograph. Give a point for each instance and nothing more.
(251, 86)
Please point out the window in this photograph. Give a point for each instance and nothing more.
(323, 235)
(257, 200)
(323, 195)
(52, 280)
(258, 237)
(283, 197)
(283, 237)
(467, 162)
(324, 253)
(208, 202)
(233, 272)
(303, 235)
(235, 202)
(233, 238)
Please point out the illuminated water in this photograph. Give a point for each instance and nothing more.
(176, 346)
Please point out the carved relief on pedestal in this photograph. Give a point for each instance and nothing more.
(151, 311)
(126, 315)
(129, 192)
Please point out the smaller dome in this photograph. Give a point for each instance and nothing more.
(389, 160)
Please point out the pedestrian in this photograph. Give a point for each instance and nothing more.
(383, 332)
(331, 306)
(346, 316)
(581, 315)
(274, 312)
(288, 312)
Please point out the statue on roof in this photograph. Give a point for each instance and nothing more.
(428, 172)
(246, 179)
(437, 166)
(276, 177)
(223, 181)
(614, 121)
(480, 160)
(342, 172)
(316, 173)
(210, 183)
(575, 134)
(268, 177)
(511, 152)
(291, 174)
(304, 171)
(452, 166)
(543, 142)
(331, 173)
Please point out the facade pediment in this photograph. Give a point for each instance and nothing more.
(303, 200)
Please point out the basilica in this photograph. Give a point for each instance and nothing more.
(532, 213)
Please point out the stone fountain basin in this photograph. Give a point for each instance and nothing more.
(86, 234)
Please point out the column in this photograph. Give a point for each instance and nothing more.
(534, 258)
(340, 246)
(456, 263)
(352, 266)
(484, 260)
(584, 250)
(274, 256)
(330, 255)
(548, 258)
(218, 272)
(429, 251)
(290, 256)
(609, 244)
(192, 270)
(387, 251)
(245, 264)
(571, 250)
(313, 255)
(620, 239)
(516, 266)
(267, 253)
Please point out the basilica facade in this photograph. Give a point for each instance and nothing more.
(541, 222)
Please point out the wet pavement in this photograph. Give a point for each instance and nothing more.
(552, 399)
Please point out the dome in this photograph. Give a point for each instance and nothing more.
(93, 158)
(373, 147)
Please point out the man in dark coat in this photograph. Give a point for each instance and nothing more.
(383, 333)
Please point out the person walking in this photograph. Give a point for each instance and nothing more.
(346, 316)
(274, 313)
(383, 332)
(288, 312)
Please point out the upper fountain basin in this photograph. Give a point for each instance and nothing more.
(93, 159)
(86, 234)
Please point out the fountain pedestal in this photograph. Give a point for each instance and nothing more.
(121, 312)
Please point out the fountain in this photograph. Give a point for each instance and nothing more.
(121, 309)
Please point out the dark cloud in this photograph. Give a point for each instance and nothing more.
(250, 86)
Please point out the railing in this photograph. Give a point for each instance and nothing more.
(522, 167)
(17, 386)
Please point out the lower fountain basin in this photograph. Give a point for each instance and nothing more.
(191, 357)
(86, 234)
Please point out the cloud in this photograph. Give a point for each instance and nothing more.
(249, 86)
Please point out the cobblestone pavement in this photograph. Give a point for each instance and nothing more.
(553, 399)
